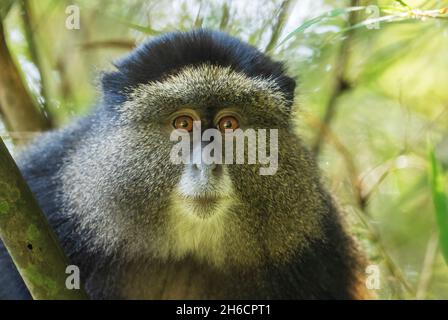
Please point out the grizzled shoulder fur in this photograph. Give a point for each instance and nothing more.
(166, 55)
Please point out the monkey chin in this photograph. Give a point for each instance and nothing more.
(202, 206)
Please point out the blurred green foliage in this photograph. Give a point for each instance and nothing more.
(383, 69)
(440, 199)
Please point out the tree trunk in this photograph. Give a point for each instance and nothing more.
(29, 238)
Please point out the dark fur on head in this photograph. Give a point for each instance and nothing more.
(169, 53)
(110, 191)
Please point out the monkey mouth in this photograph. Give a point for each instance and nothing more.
(204, 199)
(203, 205)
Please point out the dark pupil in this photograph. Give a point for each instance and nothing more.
(184, 123)
(228, 124)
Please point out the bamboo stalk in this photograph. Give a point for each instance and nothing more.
(428, 266)
(17, 107)
(225, 18)
(30, 33)
(280, 23)
(340, 84)
(29, 238)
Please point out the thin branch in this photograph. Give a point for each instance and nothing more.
(18, 108)
(361, 202)
(5, 8)
(428, 264)
(280, 23)
(28, 23)
(340, 84)
(352, 168)
(107, 44)
(199, 20)
(375, 238)
(225, 18)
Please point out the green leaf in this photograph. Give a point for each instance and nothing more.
(403, 4)
(440, 200)
(225, 17)
(5, 6)
(143, 29)
(330, 14)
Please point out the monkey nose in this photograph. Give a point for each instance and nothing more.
(203, 166)
(207, 169)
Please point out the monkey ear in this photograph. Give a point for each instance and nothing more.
(113, 86)
(287, 86)
(290, 87)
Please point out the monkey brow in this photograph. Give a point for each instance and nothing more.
(196, 87)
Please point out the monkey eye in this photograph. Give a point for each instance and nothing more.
(183, 122)
(228, 123)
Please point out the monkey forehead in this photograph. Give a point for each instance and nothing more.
(208, 84)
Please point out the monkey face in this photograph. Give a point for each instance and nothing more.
(215, 98)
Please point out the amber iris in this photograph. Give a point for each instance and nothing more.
(228, 123)
(183, 122)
